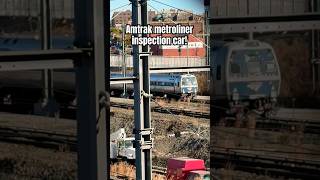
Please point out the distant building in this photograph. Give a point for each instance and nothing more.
(151, 15)
(165, 16)
(197, 25)
(195, 48)
(184, 16)
(125, 17)
(119, 18)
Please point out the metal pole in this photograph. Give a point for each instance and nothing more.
(188, 47)
(143, 131)
(313, 52)
(124, 65)
(138, 103)
(46, 40)
(317, 46)
(146, 88)
(251, 36)
(45, 24)
(90, 87)
(314, 65)
(206, 29)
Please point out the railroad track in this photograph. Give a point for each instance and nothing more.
(270, 124)
(167, 110)
(242, 160)
(36, 137)
(276, 124)
(266, 164)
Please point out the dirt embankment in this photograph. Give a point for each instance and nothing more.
(174, 136)
(21, 162)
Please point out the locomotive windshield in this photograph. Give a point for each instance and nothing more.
(189, 81)
(252, 62)
(128, 143)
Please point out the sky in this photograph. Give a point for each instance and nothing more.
(195, 5)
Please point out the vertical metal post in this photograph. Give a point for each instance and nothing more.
(138, 103)
(312, 61)
(250, 35)
(146, 88)
(90, 84)
(206, 31)
(313, 55)
(143, 131)
(317, 44)
(46, 42)
(124, 63)
(188, 47)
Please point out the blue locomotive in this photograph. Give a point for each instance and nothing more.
(246, 77)
(174, 85)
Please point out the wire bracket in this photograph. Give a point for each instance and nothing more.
(146, 134)
(146, 95)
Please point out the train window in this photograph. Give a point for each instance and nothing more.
(189, 81)
(270, 67)
(234, 68)
(254, 67)
(218, 75)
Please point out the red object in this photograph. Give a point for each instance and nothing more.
(179, 168)
(196, 48)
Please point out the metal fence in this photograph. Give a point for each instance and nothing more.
(161, 62)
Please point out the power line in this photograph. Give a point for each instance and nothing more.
(119, 11)
(120, 7)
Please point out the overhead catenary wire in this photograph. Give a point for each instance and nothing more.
(119, 11)
(120, 7)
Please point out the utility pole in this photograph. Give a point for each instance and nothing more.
(124, 65)
(142, 118)
(46, 40)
